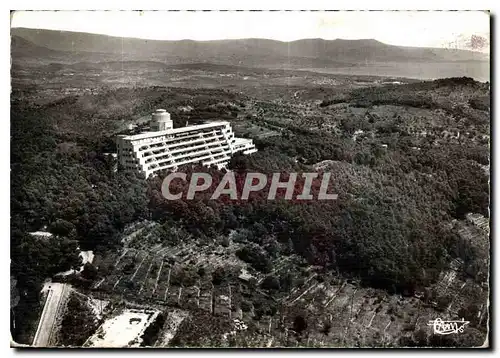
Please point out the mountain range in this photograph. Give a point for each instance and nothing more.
(66, 46)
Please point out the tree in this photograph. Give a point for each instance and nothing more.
(299, 324)
(89, 271)
(270, 283)
(61, 227)
(220, 275)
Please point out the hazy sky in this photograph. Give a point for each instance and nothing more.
(407, 28)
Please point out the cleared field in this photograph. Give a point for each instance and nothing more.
(123, 330)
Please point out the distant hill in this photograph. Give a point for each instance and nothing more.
(306, 53)
(23, 47)
(329, 50)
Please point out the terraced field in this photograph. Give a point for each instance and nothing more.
(337, 312)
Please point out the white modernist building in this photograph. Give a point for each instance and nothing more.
(167, 148)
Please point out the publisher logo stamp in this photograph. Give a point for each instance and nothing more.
(448, 327)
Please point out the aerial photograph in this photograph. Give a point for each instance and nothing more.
(250, 179)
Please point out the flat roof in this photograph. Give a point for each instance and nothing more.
(175, 130)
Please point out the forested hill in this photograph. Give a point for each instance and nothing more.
(398, 190)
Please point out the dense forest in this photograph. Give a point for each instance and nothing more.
(387, 228)
(71, 189)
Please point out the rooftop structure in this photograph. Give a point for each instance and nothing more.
(167, 148)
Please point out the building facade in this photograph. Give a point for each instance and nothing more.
(167, 148)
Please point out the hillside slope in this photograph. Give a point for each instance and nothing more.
(325, 50)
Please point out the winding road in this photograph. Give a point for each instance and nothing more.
(57, 292)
